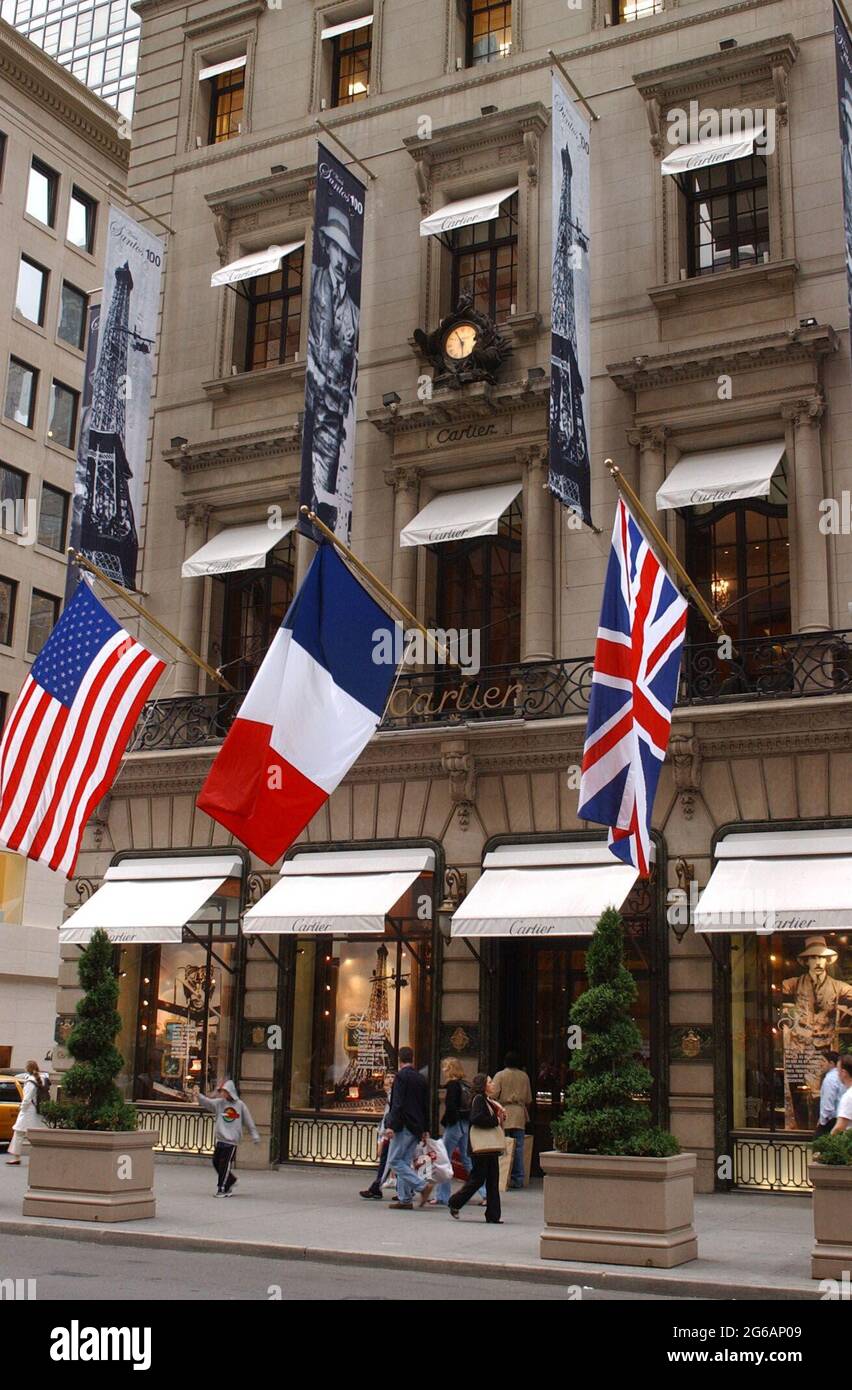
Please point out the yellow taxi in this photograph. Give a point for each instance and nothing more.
(11, 1095)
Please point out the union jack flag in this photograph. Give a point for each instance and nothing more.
(69, 728)
(634, 686)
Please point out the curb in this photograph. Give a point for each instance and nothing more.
(618, 1279)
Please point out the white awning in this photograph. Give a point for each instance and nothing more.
(341, 893)
(237, 548)
(791, 880)
(350, 24)
(721, 475)
(456, 516)
(257, 263)
(721, 150)
(544, 890)
(483, 208)
(215, 69)
(149, 900)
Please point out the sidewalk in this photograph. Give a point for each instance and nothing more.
(749, 1246)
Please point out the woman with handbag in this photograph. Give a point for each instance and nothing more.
(487, 1142)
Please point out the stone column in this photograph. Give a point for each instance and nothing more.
(538, 558)
(812, 609)
(406, 489)
(651, 443)
(186, 674)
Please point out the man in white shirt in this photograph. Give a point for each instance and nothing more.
(830, 1091)
(844, 1108)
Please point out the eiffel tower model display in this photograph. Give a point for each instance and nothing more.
(108, 533)
(364, 1077)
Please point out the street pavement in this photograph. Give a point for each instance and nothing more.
(750, 1246)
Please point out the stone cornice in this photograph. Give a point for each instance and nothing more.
(741, 355)
(469, 405)
(28, 69)
(228, 15)
(270, 190)
(241, 448)
(718, 68)
(450, 141)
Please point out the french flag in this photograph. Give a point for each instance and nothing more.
(314, 705)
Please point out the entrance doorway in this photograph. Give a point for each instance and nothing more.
(538, 981)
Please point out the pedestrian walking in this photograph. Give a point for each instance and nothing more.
(373, 1193)
(36, 1084)
(408, 1123)
(455, 1119)
(231, 1114)
(844, 1105)
(830, 1091)
(512, 1089)
(487, 1142)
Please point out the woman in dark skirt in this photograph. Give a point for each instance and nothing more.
(485, 1115)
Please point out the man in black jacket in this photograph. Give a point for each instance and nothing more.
(408, 1123)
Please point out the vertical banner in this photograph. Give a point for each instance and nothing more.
(328, 435)
(843, 51)
(93, 324)
(110, 473)
(569, 475)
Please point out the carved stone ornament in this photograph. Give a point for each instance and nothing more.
(459, 765)
(685, 754)
(465, 347)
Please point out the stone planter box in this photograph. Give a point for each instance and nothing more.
(601, 1209)
(79, 1175)
(832, 1252)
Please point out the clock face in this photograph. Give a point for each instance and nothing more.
(460, 341)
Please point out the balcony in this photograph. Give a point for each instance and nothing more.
(799, 666)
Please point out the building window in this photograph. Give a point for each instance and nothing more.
(13, 492)
(625, 11)
(738, 553)
(479, 588)
(253, 608)
(62, 427)
(350, 65)
(53, 517)
(227, 102)
(32, 290)
(727, 215)
(44, 615)
(485, 262)
(791, 1004)
(72, 315)
(42, 191)
(8, 597)
(81, 220)
(21, 385)
(275, 314)
(2, 155)
(489, 31)
(4, 706)
(13, 874)
(356, 1002)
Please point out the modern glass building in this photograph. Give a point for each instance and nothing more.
(98, 40)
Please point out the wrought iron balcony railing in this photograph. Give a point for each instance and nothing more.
(800, 665)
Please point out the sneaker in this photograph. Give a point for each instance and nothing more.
(227, 1194)
(218, 1192)
(370, 1196)
(426, 1193)
(396, 1205)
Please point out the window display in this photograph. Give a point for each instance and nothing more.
(791, 1006)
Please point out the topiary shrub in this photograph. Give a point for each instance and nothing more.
(604, 1110)
(90, 1098)
(834, 1150)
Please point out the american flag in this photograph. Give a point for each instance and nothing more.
(69, 728)
(634, 686)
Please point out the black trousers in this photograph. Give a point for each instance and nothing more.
(376, 1184)
(486, 1169)
(223, 1161)
(824, 1129)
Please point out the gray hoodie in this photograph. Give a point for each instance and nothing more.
(231, 1115)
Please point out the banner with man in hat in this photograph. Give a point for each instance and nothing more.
(816, 1007)
(328, 435)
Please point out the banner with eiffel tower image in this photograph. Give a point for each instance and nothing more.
(110, 474)
(569, 474)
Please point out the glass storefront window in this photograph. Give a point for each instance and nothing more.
(13, 872)
(791, 1004)
(356, 1002)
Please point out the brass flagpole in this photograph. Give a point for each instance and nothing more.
(377, 584)
(712, 619)
(83, 563)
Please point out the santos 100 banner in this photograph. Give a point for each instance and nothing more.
(328, 436)
(110, 475)
(569, 476)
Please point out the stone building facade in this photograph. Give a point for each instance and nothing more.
(60, 156)
(719, 321)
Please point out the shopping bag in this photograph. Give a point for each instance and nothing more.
(432, 1162)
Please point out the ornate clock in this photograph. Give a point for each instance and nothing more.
(465, 347)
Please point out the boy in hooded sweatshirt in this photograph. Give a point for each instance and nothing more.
(231, 1114)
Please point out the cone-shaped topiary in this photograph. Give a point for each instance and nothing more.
(91, 1100)
(604, 1110)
